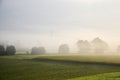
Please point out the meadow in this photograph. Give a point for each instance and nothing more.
(60, 67)
(104, 76)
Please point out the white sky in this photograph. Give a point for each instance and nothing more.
(50, 23)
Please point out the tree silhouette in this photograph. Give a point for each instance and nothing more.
(34, 50)
(39, 50)
(10, 50)
(99, 45)
(87, 46)
(84, 46)
(64, 48)
(2, 50)
(42, 50)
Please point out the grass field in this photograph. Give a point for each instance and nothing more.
(65, 67)
(106, 76)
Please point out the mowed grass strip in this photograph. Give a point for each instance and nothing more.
(35, 68)
(105, 76)
(114, 59)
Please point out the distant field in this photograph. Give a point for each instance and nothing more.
(112, 59)
(62, 67)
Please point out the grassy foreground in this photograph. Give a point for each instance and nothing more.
(57, 67)
(106, 76)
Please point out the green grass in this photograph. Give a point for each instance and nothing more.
(28, 67)
(106, 76)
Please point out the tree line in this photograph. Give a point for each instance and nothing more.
(84, 46)
(97, 45)
(10, 50)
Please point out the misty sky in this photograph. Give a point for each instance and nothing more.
(50, 23)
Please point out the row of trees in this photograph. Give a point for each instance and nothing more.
(10, 50)
(84, 46)
(96, 46)
(64, 48)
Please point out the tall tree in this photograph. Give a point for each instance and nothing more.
(10, 50)
(34, 50)
(99, 45)
(87, 46)
(64, 48)
(42, 50)
(84, 46)
(2, 50)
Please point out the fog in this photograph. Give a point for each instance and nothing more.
(50, 23)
